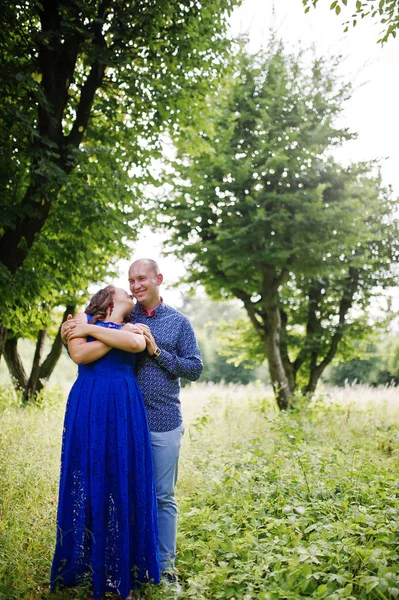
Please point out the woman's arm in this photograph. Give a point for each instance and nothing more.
(115, 338)
(80, 350)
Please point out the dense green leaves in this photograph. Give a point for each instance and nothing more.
(298, 506)
(215, 323)
(88, 91)
(377, 364)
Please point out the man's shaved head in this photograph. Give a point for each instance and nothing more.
(144, 282)
(149, 262)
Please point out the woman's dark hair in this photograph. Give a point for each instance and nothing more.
(100, 303)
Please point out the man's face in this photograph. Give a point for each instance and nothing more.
(144, 284)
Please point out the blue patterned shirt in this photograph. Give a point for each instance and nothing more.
(159, 378)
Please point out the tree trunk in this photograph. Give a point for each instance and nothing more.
(314, 376)
(39, 372)
(56, 64)
(34, 384)
(278, 375)
(3, 337)
(14, 363)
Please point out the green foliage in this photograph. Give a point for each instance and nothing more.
(294, 505)
(215, 323)
(389, 350)
(259, 178)
(240, 343)
(218, 367)
(88, 91)
(386, 10)
(378, 366)
(296, 508)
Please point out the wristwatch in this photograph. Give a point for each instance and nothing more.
(157, 352)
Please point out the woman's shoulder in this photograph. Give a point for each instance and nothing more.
(82, 318)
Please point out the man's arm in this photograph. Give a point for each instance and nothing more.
(114, 338)
(187, 362)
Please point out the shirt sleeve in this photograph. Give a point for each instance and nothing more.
(187, 362)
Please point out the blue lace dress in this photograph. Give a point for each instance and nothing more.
(107, 529)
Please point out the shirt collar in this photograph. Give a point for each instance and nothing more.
(138, 309)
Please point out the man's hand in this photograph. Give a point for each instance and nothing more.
(145, 330)
(66, 328)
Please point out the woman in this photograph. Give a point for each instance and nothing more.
(107, 523)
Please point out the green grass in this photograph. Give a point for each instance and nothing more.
(272, 506)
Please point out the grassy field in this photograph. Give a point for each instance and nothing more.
(272, 506)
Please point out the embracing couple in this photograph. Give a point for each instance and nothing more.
(117, 514)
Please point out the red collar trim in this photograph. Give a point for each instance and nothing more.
(151, 313)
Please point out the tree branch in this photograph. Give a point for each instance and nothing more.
(253, 314)
(3, 338)
(284, 275)
(93, 81)
(57, 60)
(350, 288)
(312, 326)
(34, 385)
(288, 365)
(57, 63)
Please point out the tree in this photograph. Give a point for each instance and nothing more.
(386, 10)
(41, 369)
(264, 215)
(88, 90)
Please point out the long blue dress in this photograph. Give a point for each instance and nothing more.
(107, 528)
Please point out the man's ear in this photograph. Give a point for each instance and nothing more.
(159, 279)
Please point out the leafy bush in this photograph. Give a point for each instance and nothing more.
(293, 505)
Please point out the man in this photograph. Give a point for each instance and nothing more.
(172, 352)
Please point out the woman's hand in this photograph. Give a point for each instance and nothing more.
(66, 328)
(78, 330)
